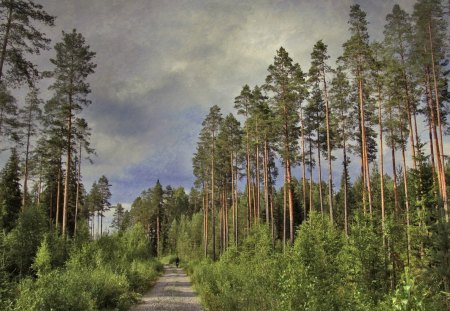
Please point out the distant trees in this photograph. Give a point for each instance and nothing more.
(98, 203)
(159, 210)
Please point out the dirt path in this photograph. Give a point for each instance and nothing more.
(173, 291)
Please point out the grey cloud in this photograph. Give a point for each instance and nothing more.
(162, 64)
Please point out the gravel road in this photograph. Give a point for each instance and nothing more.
(173, 291)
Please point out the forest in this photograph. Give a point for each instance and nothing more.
(325, 190)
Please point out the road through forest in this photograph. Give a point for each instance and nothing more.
(173, 291)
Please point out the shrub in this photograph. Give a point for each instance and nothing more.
(55, 291)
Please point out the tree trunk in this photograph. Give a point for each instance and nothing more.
(440, 165)
(58, 197)
(221, 227)
(310, 176)
(27, 152)
(257, 183)
(68, 168)
(330, 171)
(438, 139)
(345, 191)
(284, 208)
(249, 194)
(233, 202)
(77, 197)
(158, 234)
(365, 157)
(320, 174)
(380, 123)
(394, 174)
(206, 208)
(436, 183)
(227, 232)
(213, 209)
(405, 183)
(303, 163)
(408, 107)
(291, 201)
(266, 181)
(236, 199)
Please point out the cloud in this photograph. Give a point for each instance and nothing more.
(162, 64)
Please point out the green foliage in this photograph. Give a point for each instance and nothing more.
(23, 241)
(408, 296)
(239, 281)
(106, 274)
(42, 261)
(10, 194)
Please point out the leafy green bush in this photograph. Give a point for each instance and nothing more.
(55, 291)
(96, 276)
(22, 242)
(240, 280)
(141, 274)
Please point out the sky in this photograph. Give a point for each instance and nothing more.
(162, 64)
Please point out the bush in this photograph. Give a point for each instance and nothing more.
(23, 241)
(55, 291)
(141, 274)
(240, 280)
(96, 276)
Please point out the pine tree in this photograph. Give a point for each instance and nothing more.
(243, 104)
(19, 37)
(29, 115)
(378, 72)
(156, 202)
(201, 172)
(285, 106)
(341, 108)
(94, 203)
(206, 168)
(398, 34)
(430, 31)
(357, 58)
(49, 153)
(317, 73)
(83, 133)
(229, 143)
(73, 64)
(315, 118)
(105, 196)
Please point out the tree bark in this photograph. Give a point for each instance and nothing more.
(438, 139)
(330, 171)
(213, 209)
(380, 122)
(303, 163)
(77, 197)
(27, 152)
(68, 167)
(320, 174)
(58, 197)
(405, 183)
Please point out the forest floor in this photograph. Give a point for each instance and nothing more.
(173, 291)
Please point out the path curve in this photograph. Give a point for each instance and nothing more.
(173, 291)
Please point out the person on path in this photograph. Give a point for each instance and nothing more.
(177, 261)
